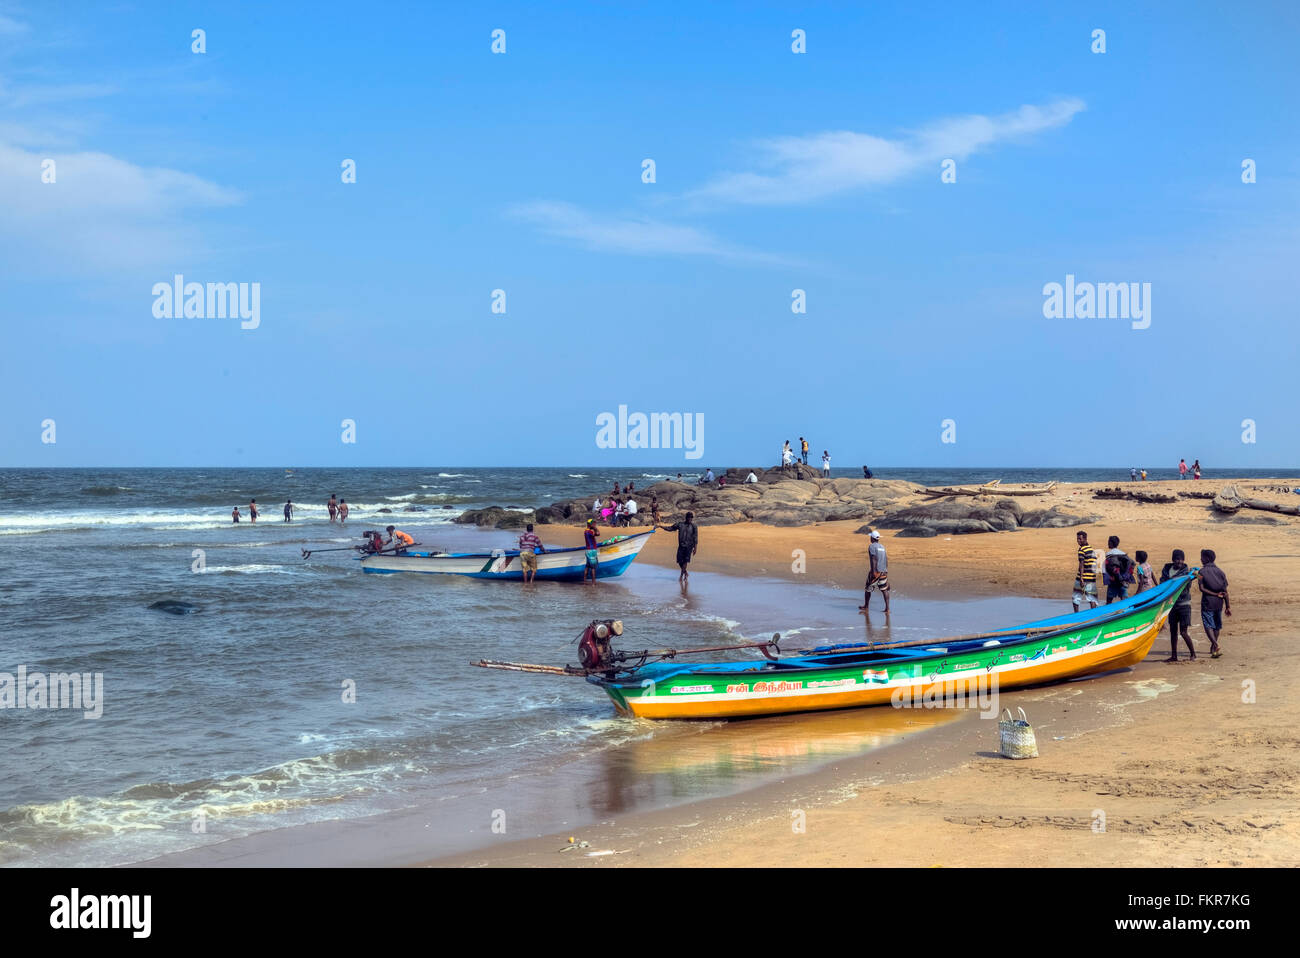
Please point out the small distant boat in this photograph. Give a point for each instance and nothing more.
(994, 488)
(614, 556)
(652, 684)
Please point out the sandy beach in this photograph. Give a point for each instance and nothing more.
(1186, 764)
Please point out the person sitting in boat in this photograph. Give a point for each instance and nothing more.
(399, 540)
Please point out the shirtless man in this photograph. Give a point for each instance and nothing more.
(332, 506)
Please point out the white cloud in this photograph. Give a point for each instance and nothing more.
(101, 211)
(799, 169)
(10, 26)
(631, 233)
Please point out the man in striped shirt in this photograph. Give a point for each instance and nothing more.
(529, 546)
(1085, 582)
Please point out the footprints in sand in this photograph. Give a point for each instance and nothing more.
(1138, 826)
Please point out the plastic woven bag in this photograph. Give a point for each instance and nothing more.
(1017, 736)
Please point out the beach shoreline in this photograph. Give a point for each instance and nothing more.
(1169, 764)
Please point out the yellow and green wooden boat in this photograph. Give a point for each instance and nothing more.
(655, 685)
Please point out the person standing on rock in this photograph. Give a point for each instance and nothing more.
(688, 541)
(878, 576)
(826, 464)
(803, 449)
(787, 456)
(654, 510)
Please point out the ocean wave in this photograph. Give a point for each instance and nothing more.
(155, 806)
(253, 567)
(105, 490)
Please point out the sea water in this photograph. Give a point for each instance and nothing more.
(306, 691)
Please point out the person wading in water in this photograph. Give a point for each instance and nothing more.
(688, 541)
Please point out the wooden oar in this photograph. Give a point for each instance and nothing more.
(771, 643)
(529, 667)
(307, 552)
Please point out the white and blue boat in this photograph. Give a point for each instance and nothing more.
(614, 555)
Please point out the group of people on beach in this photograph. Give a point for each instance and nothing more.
(1135, 474)
(688, 541)
(338, 510)
(621, 509)
(789, 457)
(1118, 571)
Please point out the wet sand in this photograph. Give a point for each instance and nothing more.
(1181, 764)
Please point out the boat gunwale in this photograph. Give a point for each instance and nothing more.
(861, 655)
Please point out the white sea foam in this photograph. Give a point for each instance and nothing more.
(252, 567)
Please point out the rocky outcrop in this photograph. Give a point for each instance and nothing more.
(496, 516)
(1137, 495)
(776, 499)
(964, 516)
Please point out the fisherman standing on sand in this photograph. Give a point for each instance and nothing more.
(1180, 616)
(332, 506)
(688, 541)
(1085, 578)
(1214, 599)
(878, 576)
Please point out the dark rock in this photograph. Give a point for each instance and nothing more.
(492, 516)
(1054, 518)
(384, 510)
(174, 607)
(952, 516)
(915, 532)
(414, 509)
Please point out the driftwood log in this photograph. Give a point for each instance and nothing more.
(1229, 500)
(1137, 495)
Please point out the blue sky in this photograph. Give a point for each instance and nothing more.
(775, 171)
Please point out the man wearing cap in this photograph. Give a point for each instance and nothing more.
(878, 577)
